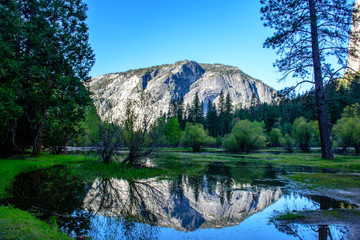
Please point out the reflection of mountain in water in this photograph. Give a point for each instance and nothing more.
(186, 204)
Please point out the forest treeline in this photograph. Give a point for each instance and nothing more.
(290, 122)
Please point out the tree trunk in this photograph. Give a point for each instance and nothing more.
(319, 87)
(37, 141)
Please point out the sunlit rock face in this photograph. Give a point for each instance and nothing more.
(168, 82)
(184, 205)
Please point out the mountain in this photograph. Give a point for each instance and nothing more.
(166, 82)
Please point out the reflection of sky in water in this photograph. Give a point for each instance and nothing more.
(256, 226)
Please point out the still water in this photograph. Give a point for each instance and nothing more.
(224, 202)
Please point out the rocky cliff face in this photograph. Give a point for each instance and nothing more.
(167, 82)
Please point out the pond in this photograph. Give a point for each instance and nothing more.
(224, 202)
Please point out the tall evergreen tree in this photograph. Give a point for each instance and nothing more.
(228, 114)
(306, 33)
(211, 119)
(180, 111)
(196, 110)
(221, 110)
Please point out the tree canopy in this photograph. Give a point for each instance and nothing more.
(45, 64)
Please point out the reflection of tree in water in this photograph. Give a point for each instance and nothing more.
(219, 175)
(129, 202)
(323, 232)
(217, 180)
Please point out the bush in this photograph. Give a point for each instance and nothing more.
(275, 136)
(245, 136)
(288, 142)
(347, 133)
(195, 136)
(304, 133)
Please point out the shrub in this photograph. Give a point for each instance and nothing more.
(195, 136)
(245, 136)
(304, 133)
(347, 133)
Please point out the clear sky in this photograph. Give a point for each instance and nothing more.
(131, 34)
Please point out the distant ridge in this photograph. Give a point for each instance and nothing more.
(170, 81)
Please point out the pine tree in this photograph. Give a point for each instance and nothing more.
(221, 110)
(228, 113)
(306, 33)
(211, 119)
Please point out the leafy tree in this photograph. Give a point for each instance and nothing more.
(173, 131)
(195, 136)
(10, 109)
(88, 128)
(347, 133)
(275, 136)
(304, 132)
(54, 56)
(288, 142)
(245, 136)
(347, 129)
(306, 33)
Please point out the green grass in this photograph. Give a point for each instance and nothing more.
(328, 180)
(9, 168)
(17, 224)
(273, 156)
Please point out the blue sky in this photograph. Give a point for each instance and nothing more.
(131, 34)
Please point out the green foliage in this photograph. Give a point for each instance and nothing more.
(304, 132)
(195, 136)
(212, 119)
(245, 136)
(89, 128)
(47, 59)
(173, 131)
(288, 142)
(347, 131)
(275, 136)
(196, 111)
